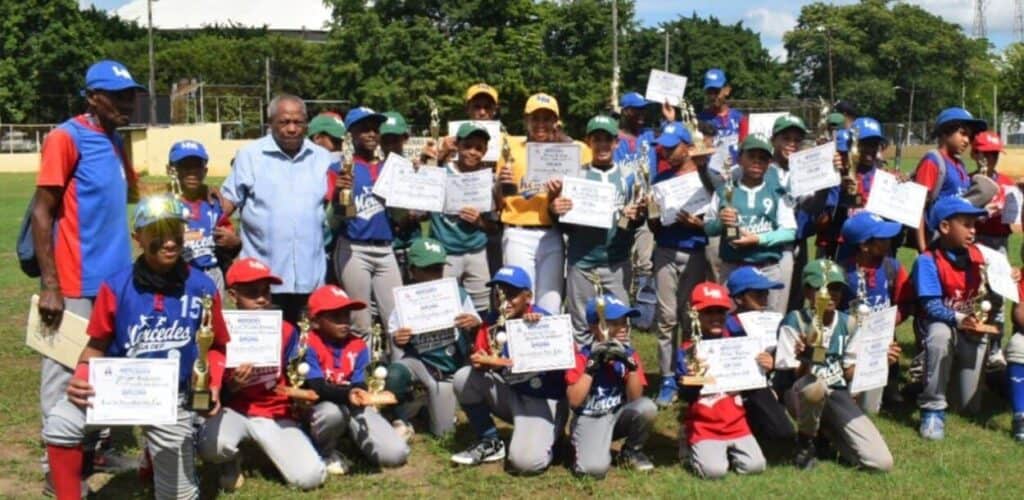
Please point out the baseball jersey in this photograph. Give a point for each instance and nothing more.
(955, 182)
(532, 211)
(546, 385)
(993, 224)
(141, 323)
(718, 416)
(885, 284)
(90, 232)
(629, 148)
(590, 247)
(675, 235)
(457, 236)
(952, 276)
(761, 210)
(836, 338)
(371, 221)
(337, 362)
(608, 389)
(258, 398)
(203, 218)
(731, 127)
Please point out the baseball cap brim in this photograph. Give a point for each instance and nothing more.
(723, 302)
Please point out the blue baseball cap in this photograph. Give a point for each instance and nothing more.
(955, 114)
(843, 140)
(613, 309)
(184, 149)
(749, 278)
(868, 128)
(633, 100)
(672, 134)
(157, 208)
(513, 276)
(865, 225)
(947, 207)
(356, 115)
(111, 76)
(714, 78)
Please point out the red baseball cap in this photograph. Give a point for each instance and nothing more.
(329, 298)
(988, 142)
(708, 294)
(248, 270)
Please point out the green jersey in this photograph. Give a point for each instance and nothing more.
(591, 247)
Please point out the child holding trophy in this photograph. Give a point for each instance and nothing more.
(260, 403)
(338, 360)
(533, 402)
(157, 309)
(814, 343)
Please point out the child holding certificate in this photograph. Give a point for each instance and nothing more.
(337, 361)
(151, 310)
(715, 434)
(533, 402)
(258, 401)
(814, 343)
(429, 359)
(605, 391)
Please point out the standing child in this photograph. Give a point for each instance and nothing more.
(731, 124)
(405, 224)
(1015, 367)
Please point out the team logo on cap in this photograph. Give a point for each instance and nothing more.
(121, 71)
(611, 299)
(712, 293)
(432, 246)
(544, 98)
(669, 129)
(506, 271)
(760, 136)
(339, 292)
(391, 121)
(876, 218)
(188, 145)
(255, 264)
(712, 76)
(871, 125)
(603, 119)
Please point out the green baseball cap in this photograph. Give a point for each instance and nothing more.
(470, 128)
(426, 252)
(395, 124)
(788, 121)
(327, 124)
(835, 119)
(823, 272)
(756, 141)
(605, 123)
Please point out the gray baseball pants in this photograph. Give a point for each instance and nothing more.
(372, 433)
(592, 436)
(367, 272)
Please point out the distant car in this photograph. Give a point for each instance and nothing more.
(16, 141)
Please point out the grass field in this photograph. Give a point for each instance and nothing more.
(977, 459)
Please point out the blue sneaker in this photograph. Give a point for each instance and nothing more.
(933, 424)
(668, 392)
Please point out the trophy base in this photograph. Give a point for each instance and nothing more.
(987, 329)
(200, 400)
(509, 189)
(818, 355)
(384, 398)
(623, 222)
(492, 359)
(731, 233)
(653, 212)
(695, 380)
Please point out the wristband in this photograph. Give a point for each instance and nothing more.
(82, 371)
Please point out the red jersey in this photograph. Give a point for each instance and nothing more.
(258, 398)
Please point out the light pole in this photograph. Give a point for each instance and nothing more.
(910, 109)
(828, 47)
(666, 48)
(152, 66)
(615, 55)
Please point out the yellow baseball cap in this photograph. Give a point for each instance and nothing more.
(541, 101)
(481, 88)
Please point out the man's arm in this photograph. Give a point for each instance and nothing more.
(44, 210)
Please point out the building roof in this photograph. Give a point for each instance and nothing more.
(293, 15)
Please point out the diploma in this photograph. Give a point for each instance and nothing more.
(430, 306)
(732, 363)
(493, 128)
(417, 188)
(999, 274)
(255, 338)
(893, 200)
(550, 160)
(393, 162)
(542, 346)
(63, 345)
(871, 345)
(663, 86)
(724, 147)
(1012, 205)
(470, 189)
(683, 193)
(133, 391)
(762, 324)
(762, 123)
(593, 202)
(812, 170)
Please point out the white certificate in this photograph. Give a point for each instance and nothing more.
(722, 156)
(762, 324)
(418, 188)
(812, 170)
(732, 362)
(999, 274)
(663, 86)
(550, 160)
(493, 128)
(133, 391)
(762, 123)
(893, 200)
(63, 345)
(542, 346)
(470, 189)
(1012, 205)
(593, 202)
(387, 170)
(425, 307)
(681, 193)
(255, 338)
(871, 345)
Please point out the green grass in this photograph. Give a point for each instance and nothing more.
(978, 458)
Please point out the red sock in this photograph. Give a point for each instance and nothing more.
(66, 471)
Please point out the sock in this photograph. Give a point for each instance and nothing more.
(66, 471)
(1015, 372)
(480, 420)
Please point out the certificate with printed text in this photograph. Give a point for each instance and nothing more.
(255, 338)
(133, 391)
(430, 306)
(541, 346)
(420, 188)
(732, 362)
(593, 202)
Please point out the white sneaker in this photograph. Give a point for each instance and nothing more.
(231, 477)
(996, 361)
(403, 429)
(336, 464)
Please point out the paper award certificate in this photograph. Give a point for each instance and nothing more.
(732, 363)
(493, 128)
(63, 345)
(133, 391)
(683, 193)
(663, 86)
(762, 324)
(871, 345)
(541, 346)
(999, 274)
(255, 338)
(417, 188)
(425, 307)
(550, 160)
(762, 123)
(896, 201)
(393, 162)
(593, 202)
(812, 170)
(470, 189)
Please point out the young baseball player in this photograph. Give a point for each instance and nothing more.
(258, 400)
(429, 359)
(596, 253)
(731, 124)
(151, 309)
(533, 402)
(715, 436)
(605, 391)
(820, 398)
(1015, 368)
(337, 374)
(633, 137)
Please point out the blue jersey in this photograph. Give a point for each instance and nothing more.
(629, 149)
(608, 389)
(371, 221)
(203, 217)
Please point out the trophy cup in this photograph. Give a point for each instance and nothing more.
(602, 323)
(297, 369)
(852, 162)
(496, 336)
(860, 303)
(824, 134)
(377, 371)
(731, 233)
(507, 188)
(435, 136)
(345, 198)
(817, 334)
(981, 306)
(695, 365)
(200, 398)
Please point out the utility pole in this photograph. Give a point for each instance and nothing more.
(666, 49)
(152, 66)
(910, 112)
(266, 77)
(831, 78)
(615, 55)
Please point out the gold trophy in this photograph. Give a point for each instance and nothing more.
(377, 371)
(730, 233)
(852, 162)
(695, 365)
(297, 369)
(860, 304)
(824, 134)
(496, 336)
(981, 306)
(201, 399)
(507, 188)
(345, 198)
(435, 136)
(602, 323)
(816, 339)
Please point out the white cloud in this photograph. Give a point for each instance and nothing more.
(770, 23)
